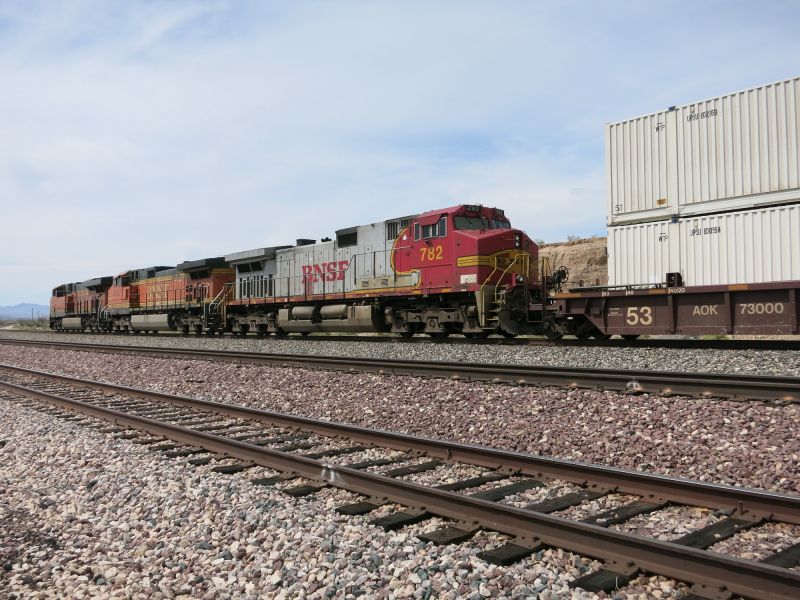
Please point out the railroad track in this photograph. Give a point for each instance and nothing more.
(234, 438)
(670, 343)
(707, 385)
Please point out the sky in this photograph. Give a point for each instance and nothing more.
(141, 133)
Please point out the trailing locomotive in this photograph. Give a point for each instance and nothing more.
(182, 298)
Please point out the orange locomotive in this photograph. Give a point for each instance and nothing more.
(152, 299)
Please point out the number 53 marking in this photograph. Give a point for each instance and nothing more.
(430, 253)
(639, 315)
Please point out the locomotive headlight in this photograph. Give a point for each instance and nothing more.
(517, 241)
(520, 278)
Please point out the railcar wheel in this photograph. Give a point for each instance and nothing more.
(583, 335)
(599, 335)
(553, 334)
(406, 334)
(511, 336)
(630, 337)
(305, 333)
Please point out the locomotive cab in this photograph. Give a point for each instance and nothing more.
(472, 250)
(466, 247)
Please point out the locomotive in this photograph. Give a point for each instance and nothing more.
(461, 269)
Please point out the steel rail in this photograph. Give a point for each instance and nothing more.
(748, 502)
(737, 576)
(664, 343)
(740, 387)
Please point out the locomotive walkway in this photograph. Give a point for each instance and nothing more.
(207, 432)
(705, 385)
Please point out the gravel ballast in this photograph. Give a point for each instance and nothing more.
(86, 515)
(753, 444)
(753, 362)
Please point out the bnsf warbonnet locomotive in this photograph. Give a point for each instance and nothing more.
(457, 270)
(461, 269)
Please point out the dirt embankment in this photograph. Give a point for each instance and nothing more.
(586, 259)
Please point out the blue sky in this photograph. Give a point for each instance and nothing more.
(138, 133)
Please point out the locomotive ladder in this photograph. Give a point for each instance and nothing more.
(499, 292)
(215, 312)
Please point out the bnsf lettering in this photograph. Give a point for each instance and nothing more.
(762, 308)
(327, 271)
(705, 309)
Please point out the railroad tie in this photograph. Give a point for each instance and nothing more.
(307, 489)
(788, 558)
(400, 519)
(413, 469)
(378, 462)
(358, 508)
(267, 481)
(336, 452)
(618, 515)
(231, 469)
(567, 500)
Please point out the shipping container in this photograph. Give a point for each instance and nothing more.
(734, 152)
(752, 246)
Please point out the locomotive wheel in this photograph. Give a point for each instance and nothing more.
(508, 334)
(406, 334)
(185, 330)
(305, 333)
(439, 335)
(475, 335)
(552, 334)
(630, 337)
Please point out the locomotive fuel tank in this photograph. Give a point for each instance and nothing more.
(72, 323)
(157, 322)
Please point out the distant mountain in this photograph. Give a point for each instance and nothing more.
(23, 311)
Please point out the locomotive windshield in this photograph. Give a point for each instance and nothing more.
(471, 223)
(500, 224)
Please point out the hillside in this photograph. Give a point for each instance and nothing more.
(586, 259)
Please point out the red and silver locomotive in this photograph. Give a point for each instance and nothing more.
(439, 272)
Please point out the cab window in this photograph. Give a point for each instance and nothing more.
(500, 224)
(471, 223)
(438, 229)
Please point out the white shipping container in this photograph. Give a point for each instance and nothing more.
(752, 246)
(642, 254)
(737, 151)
